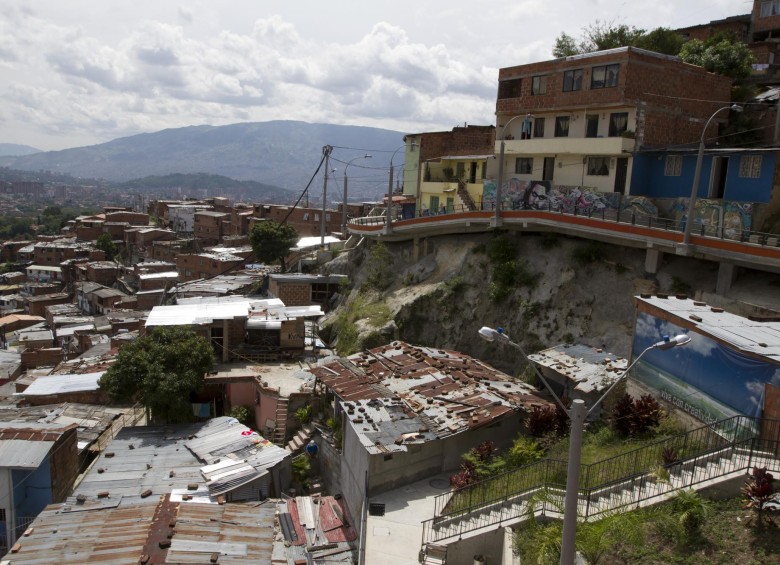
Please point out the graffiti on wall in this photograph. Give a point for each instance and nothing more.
(734, 217)
(543, 195)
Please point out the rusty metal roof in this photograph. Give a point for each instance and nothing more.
(590, 369)
(108, 533)
(400, 394)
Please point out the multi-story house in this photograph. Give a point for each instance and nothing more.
(445, 170)
(577, 121)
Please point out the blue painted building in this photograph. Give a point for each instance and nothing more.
(742, 175)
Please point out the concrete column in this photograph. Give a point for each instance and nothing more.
(416, 250)
(727, 274)
(225, 341)
(653, 259)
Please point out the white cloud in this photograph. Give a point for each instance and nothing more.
(116, 69)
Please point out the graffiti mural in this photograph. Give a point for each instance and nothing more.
(543, 195)
(729, 218)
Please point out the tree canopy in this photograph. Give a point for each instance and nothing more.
(161, 370)
(722, 53)
(106, 243)
(606, 35)
(271, 241)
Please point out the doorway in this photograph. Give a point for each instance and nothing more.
(621, 174)
(549, 168)
(473, 173)
(720, 167)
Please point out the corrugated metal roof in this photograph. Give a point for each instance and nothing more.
(61, 384)
(400, 394)
(23, 454)
(591, 369)
(752, 336)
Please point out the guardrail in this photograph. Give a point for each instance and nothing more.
(691, 458)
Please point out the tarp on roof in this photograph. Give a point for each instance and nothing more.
(61, 384)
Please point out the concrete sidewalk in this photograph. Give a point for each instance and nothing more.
(396, 537)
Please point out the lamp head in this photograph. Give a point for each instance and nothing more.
(668, 343)
(737, 107)
(490, 334)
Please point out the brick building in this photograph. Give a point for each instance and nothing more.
(102, 272)
(444, 170)
(738, 25)
(306, 221)
(578, 120)
(296, 289)
(210, 226)
(53, 253)
(193, 266)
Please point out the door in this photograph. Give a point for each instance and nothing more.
(549, 168)
(717, 188)
(770, 418)
(621, 173)
(473, 172)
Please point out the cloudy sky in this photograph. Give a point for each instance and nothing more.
(79, 72)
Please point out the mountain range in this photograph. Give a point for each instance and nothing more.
(280, 153)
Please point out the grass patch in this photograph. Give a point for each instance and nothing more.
(377, 314)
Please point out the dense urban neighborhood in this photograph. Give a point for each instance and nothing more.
(186, 377)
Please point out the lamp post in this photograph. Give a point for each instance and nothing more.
(389, 212)
(697, 175)
(326, 150)
(497, 218)
(344, 206)
(577, 415)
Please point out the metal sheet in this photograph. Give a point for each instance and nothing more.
(23, 454)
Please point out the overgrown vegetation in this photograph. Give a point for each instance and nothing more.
(243, 414)
(507, 273)
(759, 491)
(589, 252)
(379, 268)
(359, 308)
(636, 416)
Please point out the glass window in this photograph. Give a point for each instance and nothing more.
(539, 85)
(605, 76)
(618, 123)
(598, 166)
(770, 8)
(572, 80)
(750, 166)
(673, 166)
(592, 125)
(539, 127)
(562, 126)
(524, 165)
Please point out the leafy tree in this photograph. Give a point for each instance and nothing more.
(722, 53)
(160, 370)
(271, 241)
(565, 46)
(105, 243)
(607, 35)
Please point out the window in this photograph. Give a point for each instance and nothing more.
(605, 76)
(509, 88)
(539, 85)
(460, 170)
(618, 123)
(673, 166)
(305, 216)
(591, 125)
(598, 166)
(572, 80)
(562, 126)
(524, 165)
(539, 127)
(750, 166)
(770, 8)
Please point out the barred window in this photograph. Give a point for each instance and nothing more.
(524, 165)
(673, 166)
(598, 166)
(750, 166)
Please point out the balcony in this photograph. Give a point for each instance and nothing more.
(570, 145)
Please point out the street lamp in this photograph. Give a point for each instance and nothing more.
(577, 415)
(344, 206)
(697, 174)
(497, 219)
(389, 212)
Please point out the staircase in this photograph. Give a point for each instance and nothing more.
(465, 197)
(280, 431)
(300, 439)
(722, 451)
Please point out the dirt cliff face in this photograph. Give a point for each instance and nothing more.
(542, 289)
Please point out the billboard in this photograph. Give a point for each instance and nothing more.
(705, 378)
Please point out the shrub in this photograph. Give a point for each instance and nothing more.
(243, 414)
(546, 419)
(587, 253)
(524, 450)
(303, 414)
(759, 490)
(634, 417)
(479, 463)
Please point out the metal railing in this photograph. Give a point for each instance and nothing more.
(627, 480)
(610, 215)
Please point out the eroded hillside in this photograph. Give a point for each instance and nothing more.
(543, 289)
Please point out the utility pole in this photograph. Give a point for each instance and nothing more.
(326, 151)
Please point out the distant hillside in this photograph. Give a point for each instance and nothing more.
(14, 150)
(210, 184)
(280, 153)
